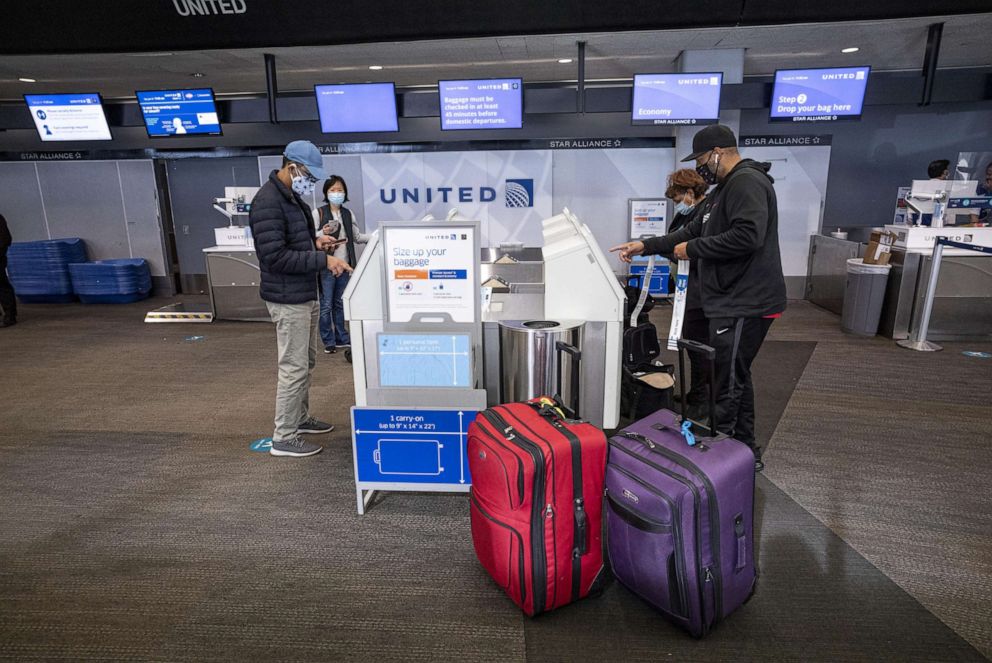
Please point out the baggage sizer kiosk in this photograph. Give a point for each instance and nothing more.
(424, 311)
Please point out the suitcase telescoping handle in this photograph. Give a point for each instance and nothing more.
(564, 348)
(686, 345)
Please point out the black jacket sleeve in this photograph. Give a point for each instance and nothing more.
(666, 243)
(268, 227)
(747, 214)
(678, 222)
(5, 239)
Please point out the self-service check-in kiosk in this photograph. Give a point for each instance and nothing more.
(426, 306)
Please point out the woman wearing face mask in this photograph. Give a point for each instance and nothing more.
(336, 221)
(688, 190)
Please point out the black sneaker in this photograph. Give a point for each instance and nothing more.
(330, 351)
(296, 447)
(314, 427)
(8, 323)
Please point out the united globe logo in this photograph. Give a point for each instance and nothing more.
(520, 193)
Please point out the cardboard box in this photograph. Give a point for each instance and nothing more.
(879, 247)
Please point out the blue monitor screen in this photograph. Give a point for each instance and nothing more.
(808, 95)
(179, 112)
(676, 99)
(494, 103)
(357, 108)
(68, 116)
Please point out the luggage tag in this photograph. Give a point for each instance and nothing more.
(678, 308)
(690, 439)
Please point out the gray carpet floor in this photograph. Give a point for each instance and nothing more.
(137, 525)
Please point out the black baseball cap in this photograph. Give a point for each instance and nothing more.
(715, 135)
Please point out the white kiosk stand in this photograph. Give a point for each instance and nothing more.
(416, 334)
(415, 309)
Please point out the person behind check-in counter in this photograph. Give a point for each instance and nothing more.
(984, 217)
(939, 169)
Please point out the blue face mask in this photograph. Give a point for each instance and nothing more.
(682, 208)
(335, 198)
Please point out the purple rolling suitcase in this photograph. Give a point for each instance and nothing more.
(680, 518)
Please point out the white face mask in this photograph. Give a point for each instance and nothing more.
(303, 185)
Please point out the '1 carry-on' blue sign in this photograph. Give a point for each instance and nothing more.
(417, 446)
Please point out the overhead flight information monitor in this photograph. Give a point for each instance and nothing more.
(494, 103)
(179, 112)
(811, 95)
(676, 99)
(357, 108)
(68, 116)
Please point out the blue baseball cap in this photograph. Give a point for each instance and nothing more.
(306, 154)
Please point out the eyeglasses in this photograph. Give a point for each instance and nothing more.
(305, 173)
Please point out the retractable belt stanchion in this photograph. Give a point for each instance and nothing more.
(918, 340)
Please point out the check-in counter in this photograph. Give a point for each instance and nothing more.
(962, 308)
(233, 277)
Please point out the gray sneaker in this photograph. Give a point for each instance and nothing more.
(314, 426)
(296, 447)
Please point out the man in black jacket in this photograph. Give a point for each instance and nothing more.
(290, 258)
(740, 269)
(8, 303)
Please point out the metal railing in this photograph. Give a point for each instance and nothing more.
(918, 339)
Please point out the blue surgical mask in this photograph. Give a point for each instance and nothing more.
(335, 198)
(682, 208)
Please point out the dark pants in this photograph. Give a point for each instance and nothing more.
(736, 341)
(695, 327)
(7, 301)
(332, 329)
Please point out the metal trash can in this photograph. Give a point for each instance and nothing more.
(529, 359)
(864, 294)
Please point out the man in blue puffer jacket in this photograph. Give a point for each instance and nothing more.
(291, 257)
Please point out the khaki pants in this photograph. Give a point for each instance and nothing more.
(297, 338)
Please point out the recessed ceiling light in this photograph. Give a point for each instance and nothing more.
(27, 80)
(197, 74)
(564, 60)
(852, 49)
(375, 67)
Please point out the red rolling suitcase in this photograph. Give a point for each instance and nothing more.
(536, 502)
